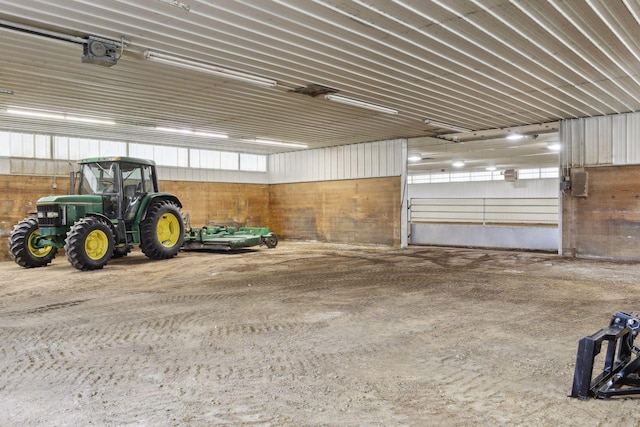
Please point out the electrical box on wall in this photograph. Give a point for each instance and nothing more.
(579, 182)
(510, 175)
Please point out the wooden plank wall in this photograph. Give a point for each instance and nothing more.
(222, 203)
(18, 195)
(348, 211)
(205, 202)
(606, 223)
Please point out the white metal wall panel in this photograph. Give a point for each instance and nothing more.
(367, 160)
(620, 150)
(5, 166)
(353, 160)
(599, 141)
(210, 175)
(530, 188)
(41, 167)
(633, 136)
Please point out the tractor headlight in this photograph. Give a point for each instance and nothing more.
(48, 214)
(51, 215)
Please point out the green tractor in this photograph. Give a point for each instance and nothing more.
(113, 204)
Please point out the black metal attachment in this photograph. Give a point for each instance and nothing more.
(620, 373)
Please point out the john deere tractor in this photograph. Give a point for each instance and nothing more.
(113, 204)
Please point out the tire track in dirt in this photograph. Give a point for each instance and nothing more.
(381, 337)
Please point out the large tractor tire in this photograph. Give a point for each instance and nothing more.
(21, 248)
(90, 244)
(162, 231)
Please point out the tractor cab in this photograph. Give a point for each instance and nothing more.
(122, 184)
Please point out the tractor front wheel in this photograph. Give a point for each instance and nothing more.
(89, 244)
(162, 230)
(23, 248)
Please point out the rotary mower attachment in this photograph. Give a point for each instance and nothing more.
(620, 375)
(228, 238)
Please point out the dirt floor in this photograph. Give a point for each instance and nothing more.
(308, 334)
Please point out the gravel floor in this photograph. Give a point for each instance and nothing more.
(308, 334)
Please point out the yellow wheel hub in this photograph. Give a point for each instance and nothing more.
(168, 230)
(96, 244)
(38, 252)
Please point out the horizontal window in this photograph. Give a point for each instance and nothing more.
(31, 146)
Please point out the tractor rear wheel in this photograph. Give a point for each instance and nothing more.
(89, 244)
(22, 247)
(162, 230)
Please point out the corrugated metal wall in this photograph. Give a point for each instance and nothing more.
(368, 160)
(547, 187)
(598, 141)
(61, 168)
(210, 175)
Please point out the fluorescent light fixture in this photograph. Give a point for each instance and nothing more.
(414, 158)
(362, 104)
(458, 164)
(515, 137)
(192, 132)
(280, 143)
(447, 126)
(491, 168)
(59, 116)
(89, 120)
(203, 67)
(39, 114)
(554, 147)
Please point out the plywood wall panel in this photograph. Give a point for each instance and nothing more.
(345, 211)
(222, 203)
(606, 224)
(358, 211)
(18, 195)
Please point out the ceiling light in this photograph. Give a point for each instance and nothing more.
(192, 132)
(59, 116)
(491, 168)
(458, 164)
(515, 137)
(280, 143)
(211, 135)
(414, 157)
(447, 126)
(39, 114)
(554, 147)
(363, 104)
(89, 120)
(203, 67)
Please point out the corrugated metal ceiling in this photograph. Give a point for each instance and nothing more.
(478, 64)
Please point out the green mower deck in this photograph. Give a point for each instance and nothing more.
(228, 238)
